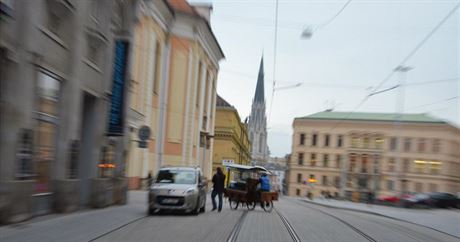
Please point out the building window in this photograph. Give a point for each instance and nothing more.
(313, 159)
(338, 159)
(349, 182)
(299, 178)
(436, 146)
(300, 159)
(421, 145)
(378, 143)
(337, 181)
(433, 187)
(420, 166)
(435, 167)
(24, 155)
(297, 192)
(407, 144)
(326, 140)
(406, 165)
(354, 142)
(352, 163)
(339, 141)
(46, 130)
(325, 160)
(391, 165)
(302, 139)
(366, 142)
(393, 143)
(376, 164)
(390, 185)
(324, 181)
(419, 187)
(364, 163)
(314, 139)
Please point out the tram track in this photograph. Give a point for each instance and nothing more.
(288, 226)
(358, 231)
(236, 229)
(233, 237)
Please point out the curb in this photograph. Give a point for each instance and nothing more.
(377, 214)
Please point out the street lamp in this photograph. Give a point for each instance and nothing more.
(399, 112)
(307, 33)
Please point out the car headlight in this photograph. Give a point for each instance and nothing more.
(190, 191)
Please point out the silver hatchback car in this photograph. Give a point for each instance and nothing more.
(178, 188)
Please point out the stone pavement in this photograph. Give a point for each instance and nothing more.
(445, 220)
(79, 226)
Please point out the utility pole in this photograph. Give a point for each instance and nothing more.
(400, 176)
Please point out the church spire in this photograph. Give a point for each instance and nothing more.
(259, 96)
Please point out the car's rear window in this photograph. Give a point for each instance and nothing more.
(176, 177)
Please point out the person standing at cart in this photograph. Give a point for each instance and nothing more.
(264, 183)
(218, 188)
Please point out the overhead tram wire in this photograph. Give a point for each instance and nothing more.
(411, 53)
(433, 103)
(334, 17)
(419, 45)
(274, 62)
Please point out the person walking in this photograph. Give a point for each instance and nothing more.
(149, 180)
(218, 188)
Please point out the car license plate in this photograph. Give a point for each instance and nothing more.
(170, 200)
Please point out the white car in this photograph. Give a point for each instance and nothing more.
(178, 188)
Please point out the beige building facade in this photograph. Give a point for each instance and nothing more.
(173, 88)
(353, 153)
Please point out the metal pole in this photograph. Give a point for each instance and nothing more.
(399, 111)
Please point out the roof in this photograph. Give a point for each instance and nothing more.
(259, 96)
(220, 102)
(244, 167)
(182, 6)
(382, 117)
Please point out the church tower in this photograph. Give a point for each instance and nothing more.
(257, 124)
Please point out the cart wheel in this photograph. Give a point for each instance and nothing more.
(267, 206)
(233, 204)
(251, 205)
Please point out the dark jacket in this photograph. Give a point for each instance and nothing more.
(218, 181)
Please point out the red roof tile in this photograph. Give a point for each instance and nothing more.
(182, 6)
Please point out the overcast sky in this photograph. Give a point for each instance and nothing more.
(357, 50)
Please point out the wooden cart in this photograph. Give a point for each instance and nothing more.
(243, 191)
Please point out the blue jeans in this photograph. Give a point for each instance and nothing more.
(214, 193)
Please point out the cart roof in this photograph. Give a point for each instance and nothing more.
(249, 168)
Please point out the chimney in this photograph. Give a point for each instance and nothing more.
(203, 9)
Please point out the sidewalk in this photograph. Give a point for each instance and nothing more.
(79, 226)
(445, 220)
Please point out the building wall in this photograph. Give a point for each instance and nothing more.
(382, 163)
(54, 104)
(231, 140)
(175, 98)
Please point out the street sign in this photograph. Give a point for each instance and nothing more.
(144, 133)
(143, 144)
(227, 162)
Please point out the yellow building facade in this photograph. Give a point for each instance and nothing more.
(231, 141)
(173, 88)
